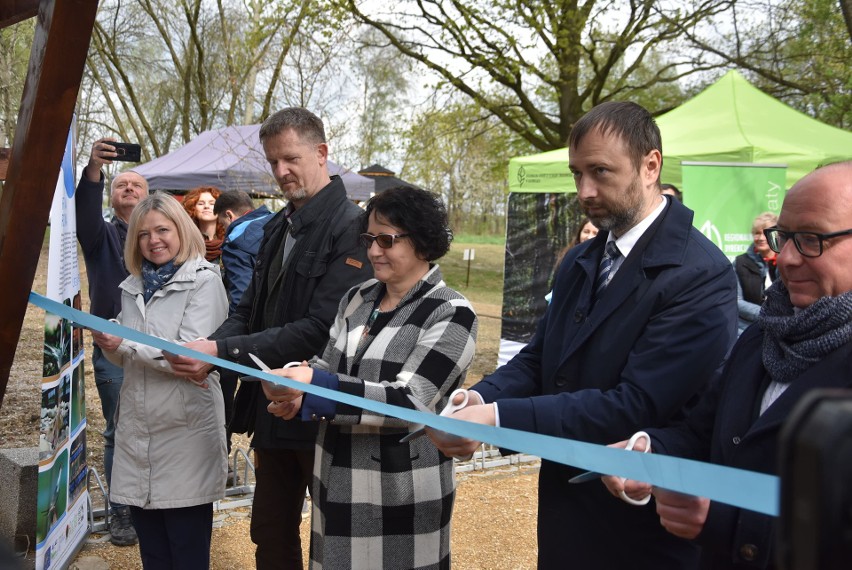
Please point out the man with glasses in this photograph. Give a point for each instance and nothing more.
(802, 340)
(309, 257)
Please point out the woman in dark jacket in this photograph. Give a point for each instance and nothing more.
(755, 271)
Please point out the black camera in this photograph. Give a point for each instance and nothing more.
(815, 465)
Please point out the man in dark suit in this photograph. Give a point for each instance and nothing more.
(628, 340)
(802, 341)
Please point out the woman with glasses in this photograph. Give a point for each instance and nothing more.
(755, 271)
(379, 502)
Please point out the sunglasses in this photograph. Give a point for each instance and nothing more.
(385, 241)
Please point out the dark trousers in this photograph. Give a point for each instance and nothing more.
(281, 477)
(176, 539)
(228, 382)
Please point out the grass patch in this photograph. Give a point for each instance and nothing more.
(493, 239)
(486, 271)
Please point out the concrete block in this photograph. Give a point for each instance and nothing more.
(19, 496)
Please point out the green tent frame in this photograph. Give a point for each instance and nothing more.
(730, 121)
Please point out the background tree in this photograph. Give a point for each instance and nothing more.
(462, 152)
(167, 70)
(538, 65)
(796, 50)
(384, 78)
(15, 44)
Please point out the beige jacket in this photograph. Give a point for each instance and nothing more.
(170, 434)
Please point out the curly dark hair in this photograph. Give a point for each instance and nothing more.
(418, 213)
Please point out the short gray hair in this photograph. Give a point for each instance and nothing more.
(764, 220)
(308, 126)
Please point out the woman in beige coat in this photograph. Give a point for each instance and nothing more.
(170, 459)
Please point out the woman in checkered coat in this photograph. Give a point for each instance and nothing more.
(379, 503)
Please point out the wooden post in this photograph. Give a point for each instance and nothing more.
(14, 11)
(60, 45)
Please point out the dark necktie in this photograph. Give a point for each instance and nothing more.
(605, 272)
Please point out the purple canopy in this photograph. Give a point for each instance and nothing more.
(231, 159)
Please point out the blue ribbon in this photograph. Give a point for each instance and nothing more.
(745, 489)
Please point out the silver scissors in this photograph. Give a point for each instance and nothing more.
(450, 409)
(262, 365)
(593, 475)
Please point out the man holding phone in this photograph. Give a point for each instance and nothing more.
(102, 243)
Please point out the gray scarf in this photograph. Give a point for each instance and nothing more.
(795, 340)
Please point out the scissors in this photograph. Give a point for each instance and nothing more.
(262, 365)
(450, 409)
(631, 443)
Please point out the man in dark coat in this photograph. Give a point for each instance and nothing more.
(628, 340)
(102, 244)
(310, 256)
(243, 225)
(802, 341)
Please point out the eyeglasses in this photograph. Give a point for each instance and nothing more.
(385, 241)
(808, 244)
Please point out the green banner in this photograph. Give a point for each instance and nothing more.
(545, 173)
(726, 197)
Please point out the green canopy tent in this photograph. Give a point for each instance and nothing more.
(733, 121)
(729, 122)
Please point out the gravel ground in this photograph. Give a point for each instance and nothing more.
(494, 520)
(493, 527)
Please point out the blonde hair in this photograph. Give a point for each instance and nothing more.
(764, 220)
(191, 242)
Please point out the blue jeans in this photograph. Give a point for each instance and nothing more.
(108, 379)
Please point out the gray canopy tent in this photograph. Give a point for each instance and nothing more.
(231, 158)
(384, 178)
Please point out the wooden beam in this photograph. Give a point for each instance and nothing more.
(60, 45)
(14, 11)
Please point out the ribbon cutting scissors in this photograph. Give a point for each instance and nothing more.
(631, 443)
(262, 365)
(450, 409)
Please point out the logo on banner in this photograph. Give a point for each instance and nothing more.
(712, 233)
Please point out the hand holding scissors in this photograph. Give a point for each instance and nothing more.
(275, 392)
(451, 408)
(616, 484)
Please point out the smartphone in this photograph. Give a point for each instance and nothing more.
(127, 152)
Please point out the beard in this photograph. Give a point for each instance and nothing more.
(622, 213)
(298, 194)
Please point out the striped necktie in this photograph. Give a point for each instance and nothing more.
(605, 272)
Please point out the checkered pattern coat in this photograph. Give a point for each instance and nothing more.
(379, 503)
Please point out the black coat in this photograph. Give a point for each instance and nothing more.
(725, 429)
(750, 272)
(326, 261)
(653, 339)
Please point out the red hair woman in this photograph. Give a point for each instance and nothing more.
(198, 203)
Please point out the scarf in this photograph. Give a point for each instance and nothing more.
(214, 249)
(153, 277)
(793, 341)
